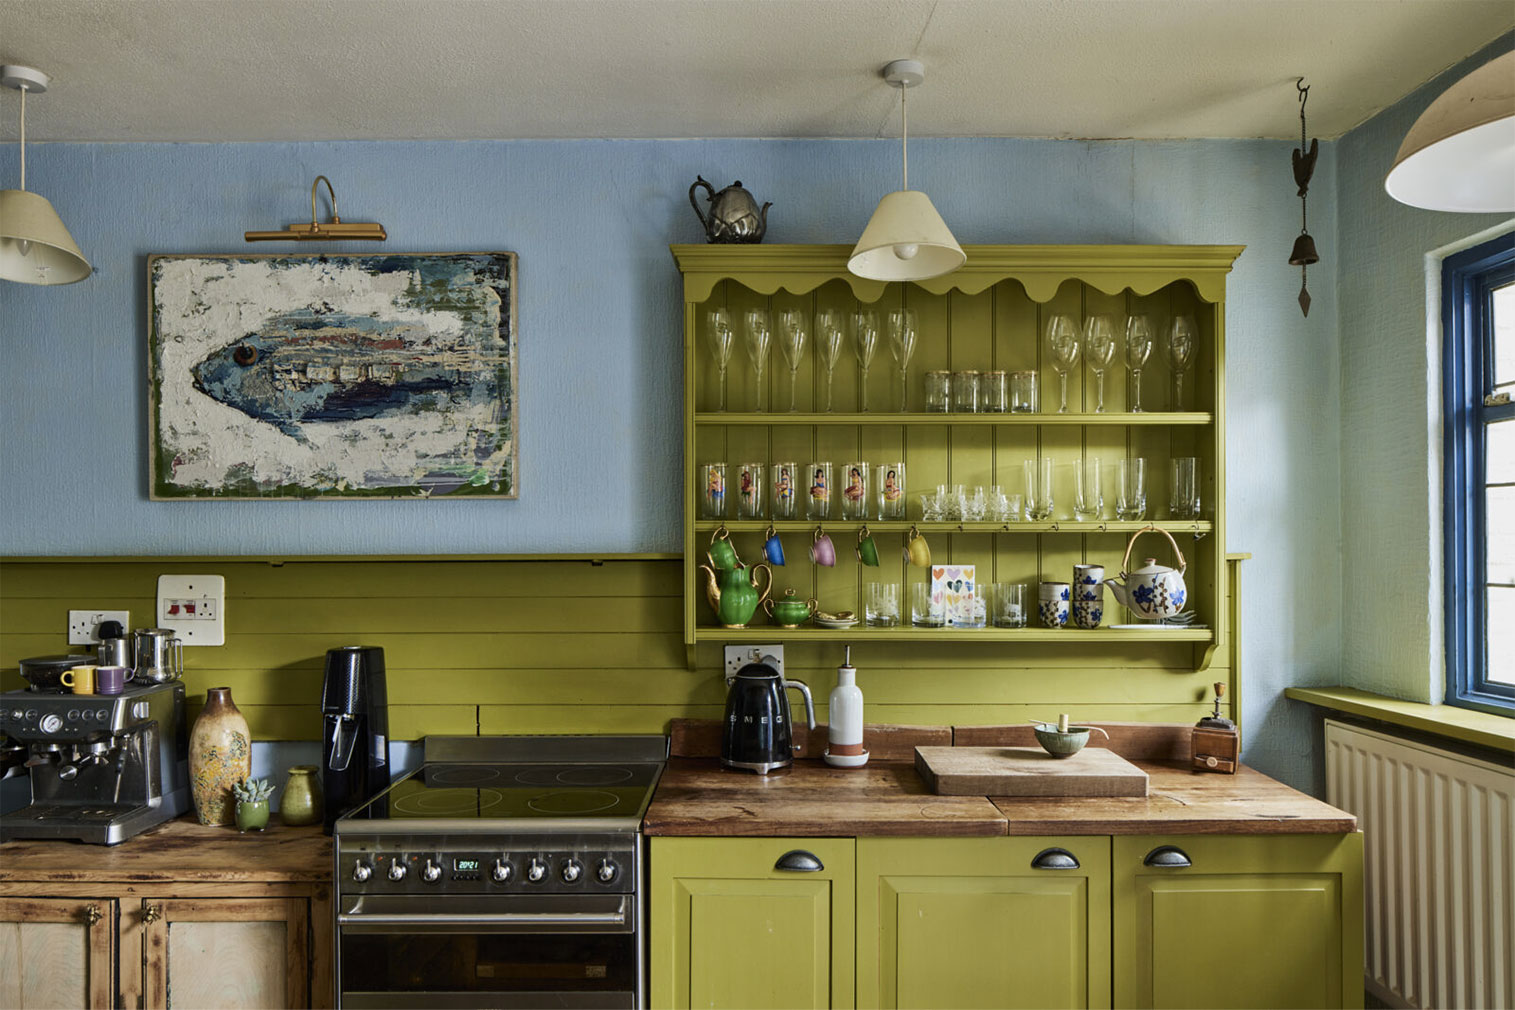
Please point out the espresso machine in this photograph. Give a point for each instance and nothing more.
(355, 736)
(103, 767)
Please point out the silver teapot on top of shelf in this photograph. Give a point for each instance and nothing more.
(734, 213)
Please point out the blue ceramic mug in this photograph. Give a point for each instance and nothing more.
(773, 549)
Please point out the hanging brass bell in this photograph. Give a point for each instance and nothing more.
(1304, 252)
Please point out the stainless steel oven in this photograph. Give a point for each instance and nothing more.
(495, 882)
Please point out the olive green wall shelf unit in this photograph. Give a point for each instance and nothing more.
(989, 314)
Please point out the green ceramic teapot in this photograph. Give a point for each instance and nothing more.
(791, 611)
(733, 592)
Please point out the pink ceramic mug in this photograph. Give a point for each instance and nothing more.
(823, 551)
(111, 679)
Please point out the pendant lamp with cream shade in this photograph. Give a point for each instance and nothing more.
(35, 247)
(1460, 154)
(906, 239)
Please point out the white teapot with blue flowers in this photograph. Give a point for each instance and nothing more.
(1151, 591)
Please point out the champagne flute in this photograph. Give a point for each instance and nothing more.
(1179, 348)
(719, 335)
(794, 330)
(1099, 351)
(759, 332)
(1062, 347)
(1138, 348)
(830, 334)
(902, 336)
(865, 343)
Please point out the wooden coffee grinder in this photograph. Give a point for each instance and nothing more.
(1215, 744)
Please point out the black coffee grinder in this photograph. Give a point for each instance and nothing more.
(355, 747)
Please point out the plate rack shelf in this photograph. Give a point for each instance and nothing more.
(990, 314)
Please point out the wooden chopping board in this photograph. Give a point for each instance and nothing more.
(1027, 771)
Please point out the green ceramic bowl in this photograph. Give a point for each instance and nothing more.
(1061, 744)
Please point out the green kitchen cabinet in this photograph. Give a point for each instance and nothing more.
(983, 922)
(1238, 921)
(752, 922)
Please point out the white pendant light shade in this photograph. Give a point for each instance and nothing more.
(35, 247)
(1460, 154)
(906, 240)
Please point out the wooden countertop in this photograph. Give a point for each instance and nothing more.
(181, 850)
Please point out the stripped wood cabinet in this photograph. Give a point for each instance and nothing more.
(57, 952)
(226, 952)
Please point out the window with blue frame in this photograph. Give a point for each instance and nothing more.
(1478, 367)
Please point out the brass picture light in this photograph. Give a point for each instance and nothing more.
(334, 230)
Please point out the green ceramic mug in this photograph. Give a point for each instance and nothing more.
(722, 554)
(867, 550)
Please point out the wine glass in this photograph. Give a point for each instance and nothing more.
(1099, 351)
(1138, 348)
(1179, 348)
(759, 330)
(794, 330)
(718, 334)
(1062, 346)
(902, 335)
(830, 334)
(865, 343)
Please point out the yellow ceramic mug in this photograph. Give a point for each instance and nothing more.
(80, 678)
(917, 552)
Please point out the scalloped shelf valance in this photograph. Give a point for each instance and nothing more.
(1040, 269)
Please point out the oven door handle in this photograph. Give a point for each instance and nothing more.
(424, 919)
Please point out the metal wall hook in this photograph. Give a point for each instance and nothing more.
(1104, 527)
(1054, 527)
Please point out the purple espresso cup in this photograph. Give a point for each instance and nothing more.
(823, 551)
(111, 679)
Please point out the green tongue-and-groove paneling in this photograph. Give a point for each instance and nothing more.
(543, 645)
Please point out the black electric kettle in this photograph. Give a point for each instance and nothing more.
(756, 736)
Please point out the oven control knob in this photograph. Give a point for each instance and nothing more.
(536, 871)
(572, 870)
(397, 869)
(431, 872)
(606, 872)
(502, 871)
(361, 872)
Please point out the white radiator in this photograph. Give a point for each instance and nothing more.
(1439, 860)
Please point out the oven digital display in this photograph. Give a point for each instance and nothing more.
(465, 866)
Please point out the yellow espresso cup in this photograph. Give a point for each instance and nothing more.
(80, 678)
(917, 553)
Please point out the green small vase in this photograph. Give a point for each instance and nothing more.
(252, 816)
(302, 802)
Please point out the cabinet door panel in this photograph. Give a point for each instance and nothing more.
(969, 923)
(1253, 921)
(226, 952)
(730, 929)
(54, 952)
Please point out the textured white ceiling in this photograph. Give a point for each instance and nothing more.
(264, 70)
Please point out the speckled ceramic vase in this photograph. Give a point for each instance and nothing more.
(220, 756)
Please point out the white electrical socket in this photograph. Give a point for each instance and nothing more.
(84, 625)
(738, 656)
(194, 606)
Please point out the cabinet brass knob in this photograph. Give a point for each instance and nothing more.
(92, 914)
(152, 913)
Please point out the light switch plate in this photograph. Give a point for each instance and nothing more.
(738, 656)
(194, 606)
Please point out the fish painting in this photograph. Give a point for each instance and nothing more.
(308, 367)
(331, 375)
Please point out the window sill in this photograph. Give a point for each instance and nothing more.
(1481, 728)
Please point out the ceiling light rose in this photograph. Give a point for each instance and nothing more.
(1460, 154)
(35, 247)
(906, 239)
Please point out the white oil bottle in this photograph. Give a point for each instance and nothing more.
(845, 721)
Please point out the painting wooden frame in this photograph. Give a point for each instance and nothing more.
(333, 376)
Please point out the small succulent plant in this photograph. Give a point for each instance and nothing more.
(253, 790)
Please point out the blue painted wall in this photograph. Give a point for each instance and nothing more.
(1392, 640)
(599, 337)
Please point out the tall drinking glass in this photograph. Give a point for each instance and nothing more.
(759, 331)
(1088, 495)
(855, 490)
(785, 495)
(794, 331)
(1039, 488)
(903, 330)
(749, 490)
(1131, 496)
(818, 490)
(889, 480)
(1062, 351)
(830, 335)
(719, 336)
(865, 343)
(1099, 351)
(1183, 501)
(1179, 348)
(1139, 336)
